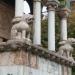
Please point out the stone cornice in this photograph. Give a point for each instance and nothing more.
(37, 50)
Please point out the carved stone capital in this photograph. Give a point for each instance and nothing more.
(51, 5)
(63, 12)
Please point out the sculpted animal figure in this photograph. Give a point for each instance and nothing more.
(21, 29)
(20, 32)
(66, 48)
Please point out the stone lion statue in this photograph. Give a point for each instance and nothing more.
(20, 32)
(66, 48)
(21, 29)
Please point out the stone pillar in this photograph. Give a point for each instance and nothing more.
(60, 69)
(37, 23)
(51, 5)
(19, 8)
(63, 29)
(69, 70)
(63, 14)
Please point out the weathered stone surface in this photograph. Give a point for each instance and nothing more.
(25, 63)
(12, 70)
(23, 70)
(11, 58)
(33, 61)
(19, 58)
(7, 58)
(49, 67)
(69, 71)
(42, 64)
(64, 70)
(15, 45)
(60, 69)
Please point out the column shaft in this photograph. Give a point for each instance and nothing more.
(51, 30)
(69, 71)
(63, 29)
(37, 23)
(19, 7)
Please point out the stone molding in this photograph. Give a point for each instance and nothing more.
(51, 5)
(37, 50)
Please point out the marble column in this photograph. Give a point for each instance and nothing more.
(37, 23)
(63, 29)
(51, 24)
(63, 14)
(69, 70)
(19, 8)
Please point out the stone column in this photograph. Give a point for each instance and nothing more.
(19, 8)
(37, 23)
(69, 70)
(63, 29)
(63, 14)
(51, 5)
(64, 70)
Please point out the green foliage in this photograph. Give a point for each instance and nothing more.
(71, 28)
(65, 3)
(62, 2)
(73, 71)
(44, 33)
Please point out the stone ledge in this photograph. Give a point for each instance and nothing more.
(37, 50)
(53, 56)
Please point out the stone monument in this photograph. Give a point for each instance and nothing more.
(22, 56)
